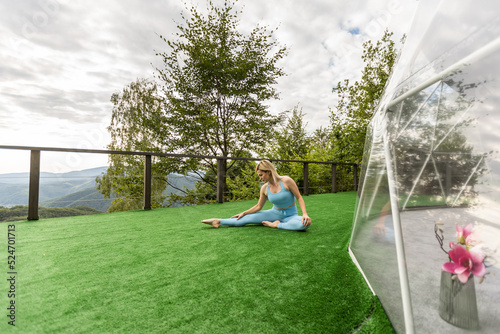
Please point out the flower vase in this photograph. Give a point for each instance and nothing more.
(457, 302)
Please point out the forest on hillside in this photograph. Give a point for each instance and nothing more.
(20, 212)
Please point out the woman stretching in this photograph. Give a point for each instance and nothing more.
(281, 191)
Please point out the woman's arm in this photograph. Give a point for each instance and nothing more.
(292, 186)
(257, 207)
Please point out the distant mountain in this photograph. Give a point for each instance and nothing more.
(14, 187)
(87, 197)
(72, 189)
(182, 182)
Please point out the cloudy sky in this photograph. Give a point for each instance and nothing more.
(61, 60)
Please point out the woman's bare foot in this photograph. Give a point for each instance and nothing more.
(269, 224)
(214, 222)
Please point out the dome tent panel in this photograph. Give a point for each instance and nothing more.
(432, 156)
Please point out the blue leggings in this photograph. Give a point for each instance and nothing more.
(289, 219)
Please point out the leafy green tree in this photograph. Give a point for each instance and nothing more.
(215, 81)
(356, 105)
(320, 149)
(124, 177)
(243, 183)
(293, 142)
(357, 102)
(209, 100)
(289, 142)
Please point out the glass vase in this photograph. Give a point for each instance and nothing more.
(457, 302)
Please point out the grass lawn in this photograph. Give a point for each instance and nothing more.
(162, 271)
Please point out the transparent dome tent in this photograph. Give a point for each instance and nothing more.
(432, 155)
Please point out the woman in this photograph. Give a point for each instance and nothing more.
(282, 192)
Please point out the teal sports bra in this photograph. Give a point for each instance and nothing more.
(282, 199)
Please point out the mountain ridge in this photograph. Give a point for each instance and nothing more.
(70, 189)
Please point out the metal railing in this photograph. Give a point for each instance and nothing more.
(34, 181)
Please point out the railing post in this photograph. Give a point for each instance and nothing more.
(355, 172)
(147, 182)
(334, 178)
(34, 185)
(306, 178)
(220, 180)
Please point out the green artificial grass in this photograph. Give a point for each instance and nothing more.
(163, 271)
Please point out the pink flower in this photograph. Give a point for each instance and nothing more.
(465, 262)
(464, 233)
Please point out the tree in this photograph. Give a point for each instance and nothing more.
(216, 81)
(356, 105)
(124, 177)
(209, 100)
(320, 175)
(292, 142)
(358, 101)
(289, 142)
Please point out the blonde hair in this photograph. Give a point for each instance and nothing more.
(267, 166)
